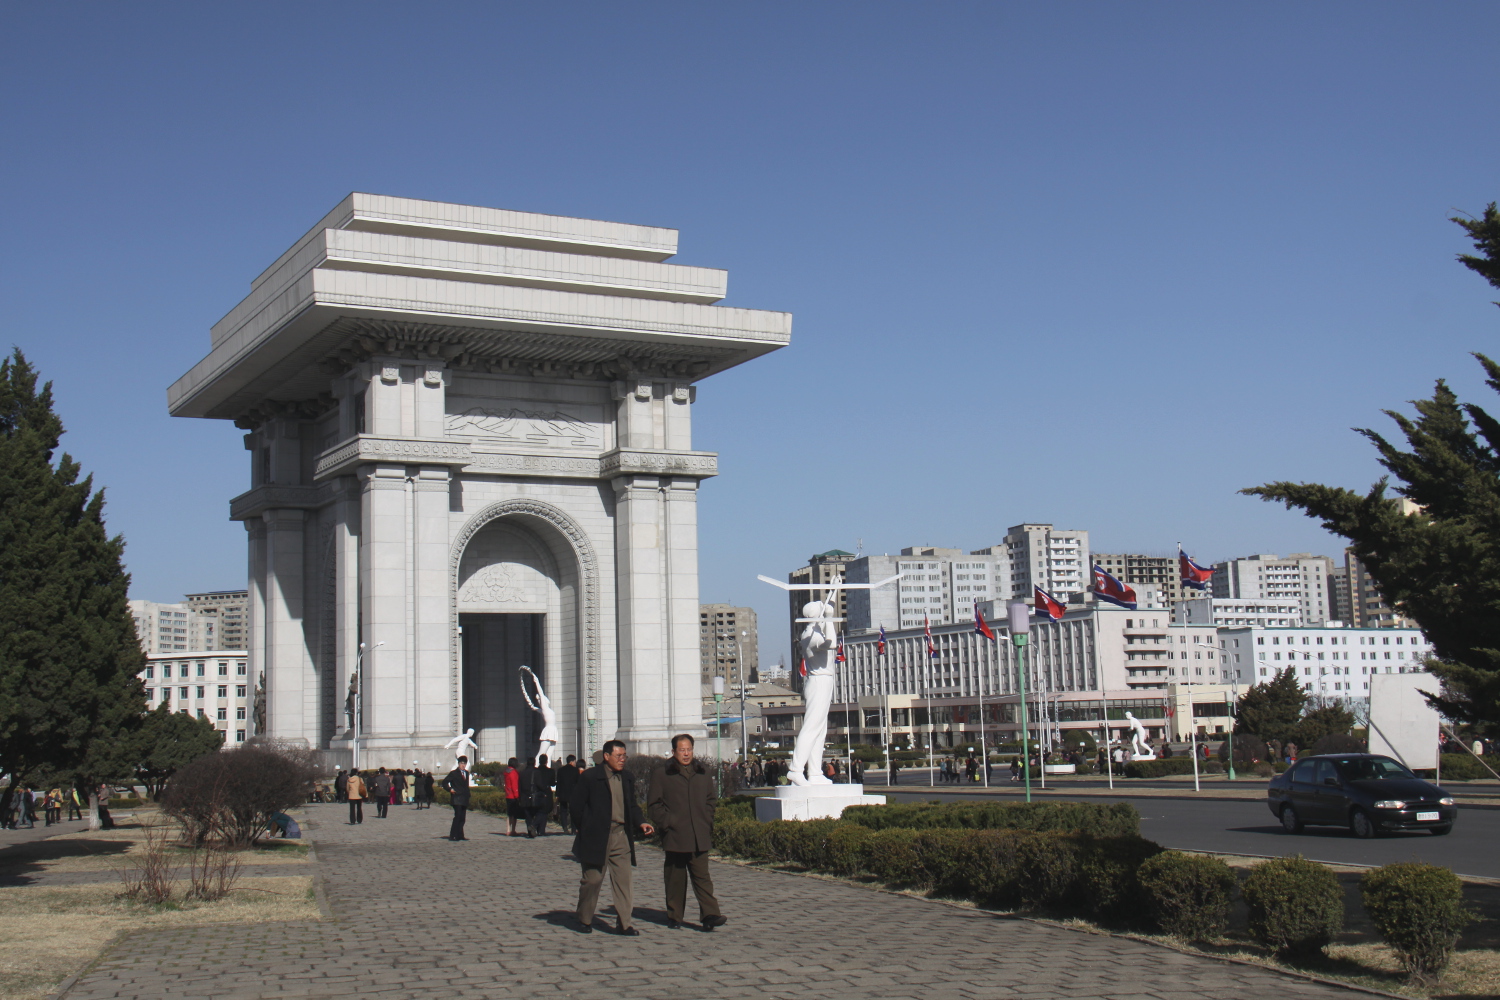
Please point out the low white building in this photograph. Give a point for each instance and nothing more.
(1332, 663)
(212, 685)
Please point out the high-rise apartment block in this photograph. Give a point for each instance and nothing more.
(1043, 556)
(1137, 568)
(821, 568)
(173, 628)
(1266, 612)
(1300, 575)
(231, 608)
(1367, 607)
(727, 644)
(937, 586)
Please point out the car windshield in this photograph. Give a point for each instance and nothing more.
(1372, 768)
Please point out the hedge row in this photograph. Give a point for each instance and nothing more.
(1462, 767)
(1169, 765)
(1118, 819)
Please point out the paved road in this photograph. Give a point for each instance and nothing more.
(1249, 828)
(419, 917)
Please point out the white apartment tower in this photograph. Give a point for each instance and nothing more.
(173, 628)
(1301, 576)
(937, 585)
(1040, 555)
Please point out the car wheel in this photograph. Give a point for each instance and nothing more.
(1442, 831)
(1290, 821)
(1361, 825)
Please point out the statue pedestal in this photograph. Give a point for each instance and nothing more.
(813, 802)
(1143, 756)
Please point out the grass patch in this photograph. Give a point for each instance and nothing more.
(51, 932)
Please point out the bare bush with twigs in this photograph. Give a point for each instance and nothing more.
(229, 796)
(149, 876)
(212, 873)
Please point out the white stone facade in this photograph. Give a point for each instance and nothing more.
(1306, 578)
(211, 684)
(471, 449)
(173, 628)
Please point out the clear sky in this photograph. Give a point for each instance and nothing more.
(1098, 264)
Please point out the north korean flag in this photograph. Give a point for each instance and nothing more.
(839, 658)
(980, 626)
(804, 666)
(1193, 575)
(1048, 606)
(1107, 588)
(927, 627)
(880, 643)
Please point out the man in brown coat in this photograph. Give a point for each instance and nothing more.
(682, 808)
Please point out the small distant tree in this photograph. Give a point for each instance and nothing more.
(1323, 721)
(70, 693)
(170, 740)
(1272, 709)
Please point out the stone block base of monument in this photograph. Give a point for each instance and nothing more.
(813, 802)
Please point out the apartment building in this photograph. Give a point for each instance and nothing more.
(173, 628)
(1367, 607)
(1267, 612)
(1331, 663)
(939, 586)
(727, 644)
(231, 608)
(211, 684)
(1041, 555)
(1139, 569)
(1300, 576)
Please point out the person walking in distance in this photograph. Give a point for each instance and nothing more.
(536, 787)
(380, 788)
(457, 783)
(567, 780)
(682, 808)
(424, 789)
(608, 821)
(355, 789)
(514, 809)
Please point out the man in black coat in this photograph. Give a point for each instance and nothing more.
(457, 783)
(608, 820)
(567, 780)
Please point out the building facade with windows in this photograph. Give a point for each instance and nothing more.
(210, 684)
(1055, 560)
(1331, 663)
(230, 609)
(1267, 612)
(1368, 608)
(727, 646)
(1300, 576)
(939, 586)
(1139, 569)
(173, 628)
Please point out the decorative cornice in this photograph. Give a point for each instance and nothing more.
(550, 466)
(256, 502)
(692, 464)
(344, 458)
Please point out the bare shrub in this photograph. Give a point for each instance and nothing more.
(148, 878)
(212, 873)
(229, 796)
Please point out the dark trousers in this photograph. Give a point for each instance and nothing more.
(382, 804)
(536, 820)
(680, 867)
(456, 831)
(356, 810)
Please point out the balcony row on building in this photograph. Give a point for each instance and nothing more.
(213, 620)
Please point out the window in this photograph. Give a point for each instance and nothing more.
(223, 690)
(239, 713)
(200, 690)
(149, 672)
(223, 714)
(240, 670)
(223, 669)
(183, 692)
(239, 734)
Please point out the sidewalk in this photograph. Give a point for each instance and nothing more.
(416, 916)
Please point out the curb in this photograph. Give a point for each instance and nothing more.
(1097, 931)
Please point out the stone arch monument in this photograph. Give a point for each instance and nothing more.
(470, 449)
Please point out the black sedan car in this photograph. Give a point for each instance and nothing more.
(1368, 793)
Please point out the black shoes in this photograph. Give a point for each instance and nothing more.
(717, 920)
(630, 932)
(673, 925)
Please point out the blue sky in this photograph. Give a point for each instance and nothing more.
(1094, 264)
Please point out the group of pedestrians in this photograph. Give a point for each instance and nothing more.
(383, 789)
(26, 800)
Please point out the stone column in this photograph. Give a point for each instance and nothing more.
(383, 567)
(430, 714)
(255, 614)
(346, 529)
(645, 681)
(289, 667)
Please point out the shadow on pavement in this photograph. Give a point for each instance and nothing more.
(20, 862)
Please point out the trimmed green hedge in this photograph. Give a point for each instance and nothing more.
(1462, 767)
(1118, 819)
(1011, 869)
(1169, 765)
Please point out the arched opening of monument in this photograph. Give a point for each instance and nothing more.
(518, 606)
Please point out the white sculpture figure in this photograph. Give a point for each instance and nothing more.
(549, 718)
(819, 645)
(1139, 748)
(459, 742)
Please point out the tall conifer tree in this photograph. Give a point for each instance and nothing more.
(1439, 566)
(70, 693)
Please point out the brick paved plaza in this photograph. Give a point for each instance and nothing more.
(416, 916)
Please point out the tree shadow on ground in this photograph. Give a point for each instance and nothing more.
(20, 864)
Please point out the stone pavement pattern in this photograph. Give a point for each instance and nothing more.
(419, 917)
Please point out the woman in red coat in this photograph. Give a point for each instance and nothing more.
(513, 810)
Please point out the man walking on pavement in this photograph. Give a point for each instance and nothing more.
(682, 807)
(355, 789)
(567, 780)
(608, 821)
(380, 788)
(457, 783)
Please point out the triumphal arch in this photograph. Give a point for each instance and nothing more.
(470, 449)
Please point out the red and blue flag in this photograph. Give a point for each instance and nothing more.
(1107, 588)
(880, 643)
(980, 626)
(1193, 575)
(927, 627)
(1048, 606)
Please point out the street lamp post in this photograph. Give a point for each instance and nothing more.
(359, 701)
(1020, 630)
(1235, 698)
(719, 735)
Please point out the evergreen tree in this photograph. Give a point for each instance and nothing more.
(1326, 720)
(1272, 709)
(70, 695)
(169, 740)
(1439, 565)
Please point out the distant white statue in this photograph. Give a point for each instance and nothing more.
(542, 705)
(819, 646)
(1140, 749)
(459, 742)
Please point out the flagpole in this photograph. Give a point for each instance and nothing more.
(1192, 711)
(984, 756)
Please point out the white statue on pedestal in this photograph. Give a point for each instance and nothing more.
(459, 742)
(542, 705)
(1140, 749)
(819, 645)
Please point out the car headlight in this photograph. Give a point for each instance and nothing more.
(1390, 804)
(1447, 800)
